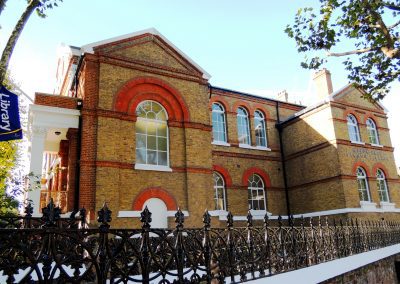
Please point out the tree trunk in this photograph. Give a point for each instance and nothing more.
(2, 5)
(8, 49)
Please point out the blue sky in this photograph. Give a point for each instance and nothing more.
(240, 43)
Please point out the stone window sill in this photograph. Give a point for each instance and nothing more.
(221, 143)
(158, 168)
(357, 142)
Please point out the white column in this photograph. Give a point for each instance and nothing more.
(38, 137)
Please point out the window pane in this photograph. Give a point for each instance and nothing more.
(151, 128)
(140, 126)
(141, 156)
(162, 144)
(151, 143)
(162, 129)
(140, 141)
(151, 157)
(162, 158)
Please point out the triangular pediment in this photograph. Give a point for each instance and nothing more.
(148, 48)
(353, 96)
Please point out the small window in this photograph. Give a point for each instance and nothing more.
(243, 126)
(219, 189)
(151, 134)
(259, 129)
(256, 193)
(382, 186)
(372, 132)
(362, 183)
(218, 123)
(352, 125)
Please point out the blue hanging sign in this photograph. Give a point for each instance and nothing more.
(10, 126)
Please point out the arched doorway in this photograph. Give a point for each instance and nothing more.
(159, 213)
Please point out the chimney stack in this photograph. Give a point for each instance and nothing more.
(283, 96)
(323, 83)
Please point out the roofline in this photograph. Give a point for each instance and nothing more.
(254, 96)
(89, 47)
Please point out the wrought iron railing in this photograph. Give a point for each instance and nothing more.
(146, 255)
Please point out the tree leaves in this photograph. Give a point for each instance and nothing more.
(375, 60)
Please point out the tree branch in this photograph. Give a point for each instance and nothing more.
(2, 5)
(391, 6)
(394, 25)
(357, 51)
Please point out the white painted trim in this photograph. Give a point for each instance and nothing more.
(377, 145)
(367, 205)
(55, 110)
(220, 143)
(357, 142)
(344, 211)
(247, 146)
(387, 205)
(327, 270)
(215, 213)
(147, 167)
(136, 214)
(89, 47)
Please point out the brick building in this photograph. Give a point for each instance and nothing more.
(135, 123)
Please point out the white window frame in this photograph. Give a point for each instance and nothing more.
(222, 115)
(260, 120)
(382, 185)
(216, 189)
(148, 166)
(373, 136)
(243, 122)
(353, 129)
(361, 175)
(255, 198)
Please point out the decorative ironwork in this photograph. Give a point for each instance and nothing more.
(75, 254)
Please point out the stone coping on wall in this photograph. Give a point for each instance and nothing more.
(324, 271)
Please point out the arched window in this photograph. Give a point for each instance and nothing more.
(218, 123)
(256, 193)
(243, 126)
(372, 132)
(382, 186)
(151, 134)
(362, 183)
(219, 189)
(352, 125)
(259, 129)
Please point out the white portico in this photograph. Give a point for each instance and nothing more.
(48, 126)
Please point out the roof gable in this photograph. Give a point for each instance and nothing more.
(353, 96)
(149, 47)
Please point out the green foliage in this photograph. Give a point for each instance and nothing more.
(8, 152)
(369, 32)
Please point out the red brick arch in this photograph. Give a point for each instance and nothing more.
(369, 115)
(154, 192)
(353, 112)
(243, 104)
(258, 171)
(218, 99)
(224, 172)
(261, 108)
(363, 165)
(382, 167)
(148, 88)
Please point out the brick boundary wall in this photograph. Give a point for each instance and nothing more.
(380, 272)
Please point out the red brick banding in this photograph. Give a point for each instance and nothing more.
(55, 101)
(222, 101)
(154, 192)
